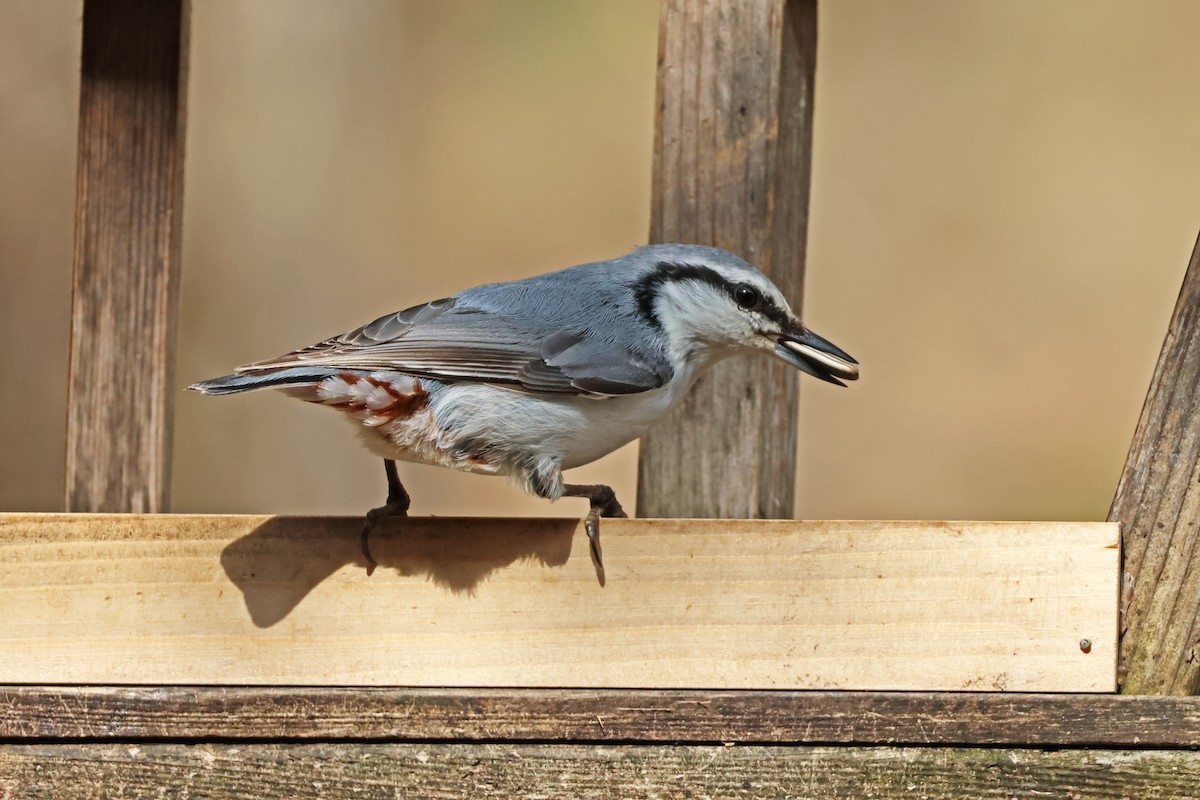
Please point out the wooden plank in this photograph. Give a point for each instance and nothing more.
(127, 234)
(1158, 504)
(580, 771)
(240, 713)
(481, 602)
(731, 169)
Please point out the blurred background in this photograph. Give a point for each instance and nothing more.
(1004, 199)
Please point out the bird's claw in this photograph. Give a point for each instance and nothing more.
(372, 519)
(591, 525)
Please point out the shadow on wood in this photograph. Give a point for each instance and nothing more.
(281, 561)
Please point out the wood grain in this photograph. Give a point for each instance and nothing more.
(731, 169)
(580, 771)
(298, 714)
(127, 235)
(1157, 503)
(482, 602)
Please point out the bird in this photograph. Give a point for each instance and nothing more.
(530, 377)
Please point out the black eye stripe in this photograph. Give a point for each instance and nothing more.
(646, 290)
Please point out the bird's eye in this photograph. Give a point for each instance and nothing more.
(745, 295)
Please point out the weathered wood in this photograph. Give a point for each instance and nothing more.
(731, 169)
(175, 713)
(127, 235)
(1157, 503)
(482, 602)
(575, 771)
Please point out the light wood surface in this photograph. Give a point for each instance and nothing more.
(1158, 505)
(732, 154)
(128, 214)
(484, 602)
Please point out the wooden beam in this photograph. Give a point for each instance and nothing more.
(239, 713)
(731, 169)
(573, 771)
(126, 283)
(484, 602)
(1158, 505)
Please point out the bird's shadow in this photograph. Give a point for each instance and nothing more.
(277, 564)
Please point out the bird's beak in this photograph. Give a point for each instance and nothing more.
(809, 353)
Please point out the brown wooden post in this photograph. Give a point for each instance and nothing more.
(731, 169)
(1158, 505)
(126, 275)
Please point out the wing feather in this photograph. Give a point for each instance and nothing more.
(448, 341)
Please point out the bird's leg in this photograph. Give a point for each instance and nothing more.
(604, 504)
(397, 505)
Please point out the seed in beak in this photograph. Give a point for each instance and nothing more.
(838, 366)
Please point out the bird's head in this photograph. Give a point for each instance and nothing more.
(709, 303)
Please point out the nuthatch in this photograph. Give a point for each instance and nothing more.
(532, 377)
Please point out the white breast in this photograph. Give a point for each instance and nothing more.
(575, 430)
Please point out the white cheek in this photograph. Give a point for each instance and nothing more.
(692, 315)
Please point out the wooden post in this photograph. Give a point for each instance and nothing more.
(731, 169)
(126, 275)
(1158, 505)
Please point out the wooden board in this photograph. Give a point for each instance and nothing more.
(44, 714)
(1158, 505)
(732, 160)
(548, 772)
(128, 218)
(482, 602)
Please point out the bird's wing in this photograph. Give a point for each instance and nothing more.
(455, 342)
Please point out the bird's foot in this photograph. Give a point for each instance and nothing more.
(604, 504)
(591, 524)
(373, 518)
(397, 505)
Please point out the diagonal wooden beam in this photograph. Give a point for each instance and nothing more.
(127, 234)
(1158, 505)
(731, 169)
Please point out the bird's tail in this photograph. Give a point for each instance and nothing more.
(252, 381)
